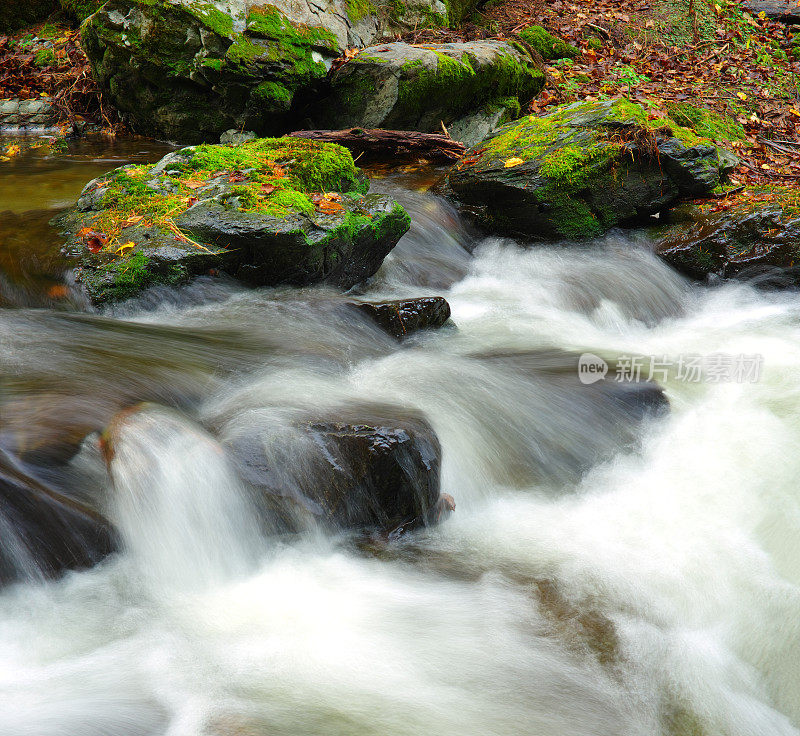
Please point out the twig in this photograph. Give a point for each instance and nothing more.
(777, 147)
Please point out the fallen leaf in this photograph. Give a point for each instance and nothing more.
(267, 189)
(95, 241)
(125, 246)
(193, 183)
(515, 161)
(58, 291)
(741, 95)
(328, 207)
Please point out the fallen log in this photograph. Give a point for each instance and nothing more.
(378, 143)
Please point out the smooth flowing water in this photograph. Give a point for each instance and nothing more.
(591, 581)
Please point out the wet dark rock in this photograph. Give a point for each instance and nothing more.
(376, 472)
(403, 317)
(583, 169)
(748, 240)
(42, 532)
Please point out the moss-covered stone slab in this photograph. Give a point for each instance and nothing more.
(267, 211)
(584, 168)
(753, 237)
(404, 87)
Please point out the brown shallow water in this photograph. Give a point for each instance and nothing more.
(35, 186)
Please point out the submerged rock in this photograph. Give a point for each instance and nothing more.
(404, 87)
(747, 239)
(583, 169)
(403, 317)
(371, 468)
(267, 211)
(42, 532)
(188, 71)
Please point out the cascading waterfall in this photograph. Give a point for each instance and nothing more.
(595, 579)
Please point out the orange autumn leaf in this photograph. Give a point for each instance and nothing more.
(329, 207)
(194, 183)
(267, 189)
(511, 162)
(58, 291)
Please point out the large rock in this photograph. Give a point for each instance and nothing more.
(42, 532)
(267, 211)
(365, 468)
(748, 239)
(187, 70)
(404, 87)
(583, 169)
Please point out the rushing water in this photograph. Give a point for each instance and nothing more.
(589, 582)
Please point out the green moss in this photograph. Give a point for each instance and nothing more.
(266, 21)
(129, 276)
(272, 94)
(547, 45)
(212, 63)
(243, 51)
(594, 43)
(705, 123)
(458, 10)
(455, 84)
(44, 57)
(278, 173)
(358, 9)
(419, 84)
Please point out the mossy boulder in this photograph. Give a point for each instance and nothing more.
(757, 236)
(546, 44)
(267, 211)
(15, 14)
(189, 70)
(399, 86)
(584, 168)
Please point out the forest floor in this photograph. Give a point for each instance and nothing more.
(660, 52)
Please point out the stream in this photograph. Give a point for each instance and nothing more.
(598, 577)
